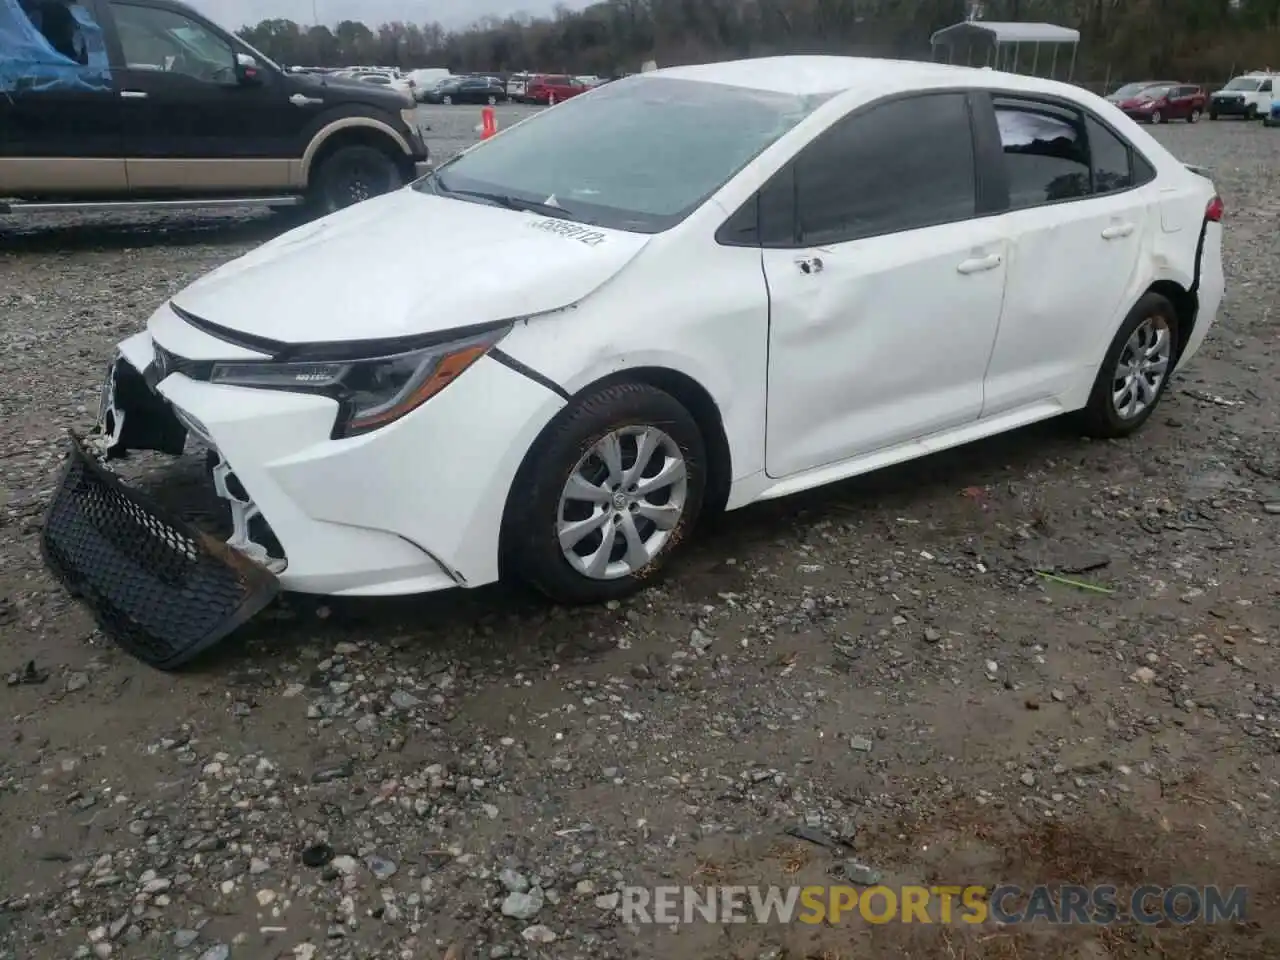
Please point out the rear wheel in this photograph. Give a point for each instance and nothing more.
(352, 174)
(1194, 115)
(447, 100)
(1135, 371)
(607, 494)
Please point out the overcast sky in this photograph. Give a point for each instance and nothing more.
(450, 13)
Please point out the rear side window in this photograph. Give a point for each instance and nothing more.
(900, 166)
(1045, 153)
(1112, 164)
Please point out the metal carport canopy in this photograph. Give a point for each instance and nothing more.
(1002, 33)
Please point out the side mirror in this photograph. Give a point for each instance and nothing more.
(248, 72)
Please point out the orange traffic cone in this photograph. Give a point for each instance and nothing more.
(488, 123)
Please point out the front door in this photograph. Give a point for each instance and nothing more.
(190, 124)
(884, 287)
(60, 122)
(1077, 224)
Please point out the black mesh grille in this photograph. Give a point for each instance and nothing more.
(161, 589)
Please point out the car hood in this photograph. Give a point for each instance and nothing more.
(408, 263)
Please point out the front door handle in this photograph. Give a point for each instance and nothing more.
(1117, 230)
(134, 94)
(978, 264)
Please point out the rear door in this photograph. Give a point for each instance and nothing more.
(1078, 223)
(884, 285)
(60, 120)
(190, 124)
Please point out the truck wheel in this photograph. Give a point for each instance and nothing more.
(352, 174)
(1251, 112)
(1213, 114)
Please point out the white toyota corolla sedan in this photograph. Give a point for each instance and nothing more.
(687, 290)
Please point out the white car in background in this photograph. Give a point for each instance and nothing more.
(387, 79)
(693, 289)
(1247, 96)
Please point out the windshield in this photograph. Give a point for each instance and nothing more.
(1154, 93)
(1244, 83)
(640, 154)
(1130, 90)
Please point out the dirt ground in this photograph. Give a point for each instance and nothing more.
(878, 664)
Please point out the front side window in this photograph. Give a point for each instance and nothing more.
(899, 166)
(1266, 87)
(1045, 156)
(169, 42)
(640, 154)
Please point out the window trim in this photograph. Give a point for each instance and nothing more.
(746, 220)
(1032, 99)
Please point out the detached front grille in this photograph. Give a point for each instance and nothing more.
(161, 589)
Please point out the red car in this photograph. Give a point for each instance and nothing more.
(549, 87)
(1159, 101)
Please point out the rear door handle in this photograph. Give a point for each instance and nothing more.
(134, 94)
(1117, 230)
(978, 264)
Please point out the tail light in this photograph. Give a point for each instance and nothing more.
(1213, 212)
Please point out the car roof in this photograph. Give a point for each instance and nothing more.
(815, 75)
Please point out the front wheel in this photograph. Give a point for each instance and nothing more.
(1194, 116)
(1251, 112)
(1157, 117)
(607, 494)
(1135, 371)
(352, 174)
(492, 100)
(1213, 114)
(447, 101)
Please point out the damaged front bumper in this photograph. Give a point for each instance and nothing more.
(161, 589)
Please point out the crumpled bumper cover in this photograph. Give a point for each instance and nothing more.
(162, 590)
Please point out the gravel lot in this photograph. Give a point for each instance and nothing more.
(877, 661)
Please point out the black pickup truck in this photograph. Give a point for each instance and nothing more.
(124, 104)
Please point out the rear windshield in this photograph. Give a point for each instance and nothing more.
(639, 154)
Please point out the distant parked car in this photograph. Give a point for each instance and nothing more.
(1247, 96)
(517, 84)
(468, 90)
(1159, 102)
(421, 81)
(398, 84)
(546, 87)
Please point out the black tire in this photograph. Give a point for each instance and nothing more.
(492, 99)
(1157, 117)
(1194, 116)
(351, 174)
(531, 544)
(1251, 112)
(1213, 114)
(1100, 418)
(447, 100)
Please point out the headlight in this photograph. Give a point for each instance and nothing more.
(373, 392)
